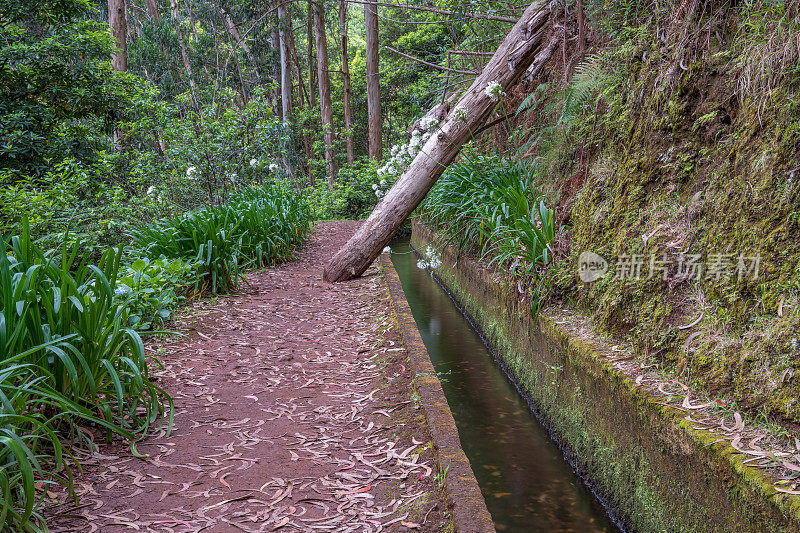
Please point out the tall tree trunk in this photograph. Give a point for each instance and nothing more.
(284, 26)
(286, 68)
(274, 42)
(234, 33)
(323, 78)
(512, 58)
(373, 79)
(118, 23)
(312, 63)
(581, 27)
(187, 64)
(119, 31)
(152, 9)
(348, 120)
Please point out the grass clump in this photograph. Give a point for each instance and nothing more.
(259, 226)
(67, 358)
(491, 205)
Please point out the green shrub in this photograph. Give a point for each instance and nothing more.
(351, 197)
(257, 227)
(490, 205)
(151, 290)
(66, 357)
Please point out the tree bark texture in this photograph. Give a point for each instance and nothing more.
(346, 90)
(286, 68)
(373, 80)
(119, 31)
(152, 9)
(312, 63)
(324, 81)
(230, 26)
(512, 58)
(187, 64)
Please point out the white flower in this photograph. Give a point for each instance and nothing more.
(151, 190)
(377, 194)
(253, 162)
(387, 250)
(274, 167)
(383, 182)
(190, 172)
(428, 123)
(494, 91)
(381, 171)
(374, 186)
(422, 264)
(460, 113)
(122, 289)
(395, 149)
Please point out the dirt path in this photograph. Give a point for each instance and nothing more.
(294, 411)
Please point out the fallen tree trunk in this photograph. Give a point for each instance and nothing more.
(512, 58)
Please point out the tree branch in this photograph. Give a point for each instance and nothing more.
(477, 16)
(432, 65)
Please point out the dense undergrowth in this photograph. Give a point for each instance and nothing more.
(255, 228)
(666, 139)
(72, 354)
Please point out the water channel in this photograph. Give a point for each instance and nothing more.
(527, 484)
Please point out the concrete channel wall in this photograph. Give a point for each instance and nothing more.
(643, 458)
(465, 501)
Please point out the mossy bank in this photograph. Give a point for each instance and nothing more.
(656, 471)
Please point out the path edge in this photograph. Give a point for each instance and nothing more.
(464, 496)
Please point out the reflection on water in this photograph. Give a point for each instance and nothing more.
(526, 482)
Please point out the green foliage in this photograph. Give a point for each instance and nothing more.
(67, 358)
(207, 153)
(492, 202)
(257, 227)
(351, 197)
(151, 290)
(75, 203)
(58, 93)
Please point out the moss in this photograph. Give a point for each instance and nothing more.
(658, 472)
(695, 168)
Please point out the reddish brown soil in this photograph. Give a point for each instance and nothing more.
(293, 411)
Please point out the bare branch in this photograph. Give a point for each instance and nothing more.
(432, 65)
(476, 16)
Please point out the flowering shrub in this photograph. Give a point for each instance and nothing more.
(403, 154)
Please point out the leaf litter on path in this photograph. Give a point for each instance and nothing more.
(282, 402)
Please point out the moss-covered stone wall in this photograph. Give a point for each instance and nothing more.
(694, 150)
(658, 472)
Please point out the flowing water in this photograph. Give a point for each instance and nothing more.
(527, 484)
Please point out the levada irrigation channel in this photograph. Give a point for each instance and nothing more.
(527, 484)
